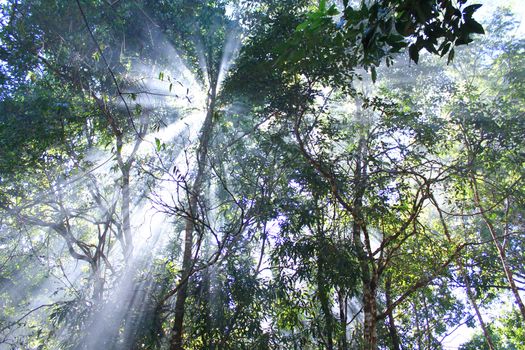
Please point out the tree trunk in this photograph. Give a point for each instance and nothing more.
(418, 330)
(98, 285)
(394, 338)
(464, 273)
(176, 342)
(499, 248)
(428, 332)
(370, 321)
(343, 342)
(472, 300)
(322, 290)
(369, 276)
(369, 279)
(125, 210)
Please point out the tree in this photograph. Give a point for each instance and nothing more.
(309, 197)
(367, 165)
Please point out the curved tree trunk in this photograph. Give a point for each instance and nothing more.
(472, 300)
(322, 289)
(125, 210)
(499, 247)
(176, 342)
(369, 276)
(392, 330)
(370, 321)
(465, 276)
(342, 298)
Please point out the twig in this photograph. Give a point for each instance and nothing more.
(25, 315)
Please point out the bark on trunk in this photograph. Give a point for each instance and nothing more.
(392, 330)
(418, 330)
(472, 300)
(369, 276)
(98, 285)
(125, 210)
(176, 342)
(464, 274)
(370, 321)
(427, 322)
(323, 294)
(369, 306)
(499, 248)
(343, 342)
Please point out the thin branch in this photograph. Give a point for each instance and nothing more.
(26, 315)
(113, 77)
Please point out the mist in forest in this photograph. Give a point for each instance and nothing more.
(261, 174)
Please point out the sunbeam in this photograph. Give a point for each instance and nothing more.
(179, 175)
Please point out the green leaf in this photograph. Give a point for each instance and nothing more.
(322, 5)
(302, 26)
(450, 56)
(413, 52)
(138, 109)
(96, 56)
(474, 27)
(469, 10)
(332, 11)
(158, 144)
(445, 49)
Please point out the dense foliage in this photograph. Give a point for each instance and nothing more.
(260, 175)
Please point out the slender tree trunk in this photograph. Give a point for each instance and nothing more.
(369, 279)
(176, 342)
(465, 276)
(343, 342)
(125, 210)
(472, 300)
(499, 248)
(369, 276)
(392, 330)
(205, 302)
(98, 285)
(207, 308)
(427, 322)
(370, 315)
(322, 290)
(418, 330)
(368, 271)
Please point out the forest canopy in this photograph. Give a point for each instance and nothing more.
(266, 174)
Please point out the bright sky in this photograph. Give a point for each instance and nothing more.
(489, 6)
